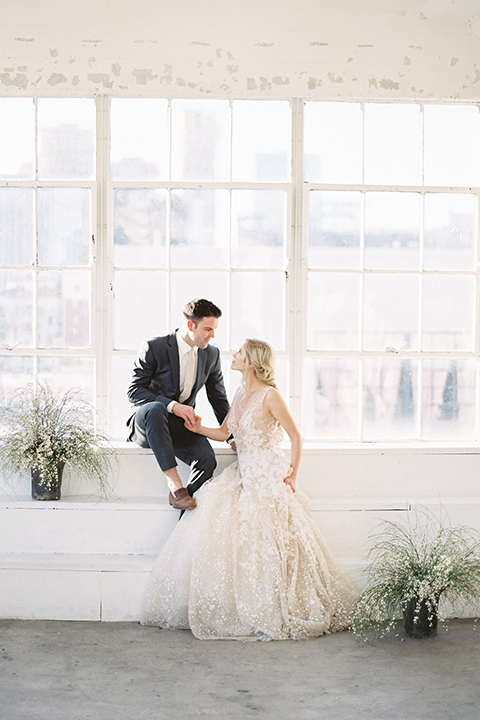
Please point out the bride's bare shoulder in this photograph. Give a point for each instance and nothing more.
(273, 398)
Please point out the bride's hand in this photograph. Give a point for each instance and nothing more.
(290, 480)
(193, 426)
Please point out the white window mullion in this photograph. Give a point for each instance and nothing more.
(360, 287)
(477, 321)
(102, 266)
(297, 266)
(35, 239)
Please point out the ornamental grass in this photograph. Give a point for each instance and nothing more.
(41, 429)
(427, 564)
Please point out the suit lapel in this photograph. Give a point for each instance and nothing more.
(174, 362)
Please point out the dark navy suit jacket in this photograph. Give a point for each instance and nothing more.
(156, 377)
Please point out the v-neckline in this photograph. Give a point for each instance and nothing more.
(238, 418)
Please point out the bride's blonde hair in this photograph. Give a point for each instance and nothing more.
(260, 355)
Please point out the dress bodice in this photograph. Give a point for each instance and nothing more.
(252, 427)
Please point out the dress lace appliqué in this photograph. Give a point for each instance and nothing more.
(249, 562)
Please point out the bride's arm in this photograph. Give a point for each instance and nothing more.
(276, 405)
(220, 434)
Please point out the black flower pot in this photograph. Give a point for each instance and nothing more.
(420, 624)
(47, 488)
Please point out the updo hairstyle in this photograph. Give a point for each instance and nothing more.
(261, 357)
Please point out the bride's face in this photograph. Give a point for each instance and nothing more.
(238, 361)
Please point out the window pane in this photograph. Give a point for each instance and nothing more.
(200, 140)
(330, 399)
(64, 226)
(15, 371)
(16, 226)
(334, 229)
(66, 373)
(202, 405)
(389, 399)
(121, 369)
(233, 378)
(448, 399)
(333, 302)
(139, 307)
(333, 142)
(185, 286)
(139, 228)
(258, 302)
(261, 140)
(450, 232)
(16, 308)
(451, 145)
(17, 138)
(199, 228)
(139, 139)
(258, 228)
(66, 129)
(392, 144)
(390, 312)
(448, 311)
(64, 308)
(392, 230)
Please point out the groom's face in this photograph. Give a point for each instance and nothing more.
(201, 333)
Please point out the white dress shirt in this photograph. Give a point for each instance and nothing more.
(188, 369)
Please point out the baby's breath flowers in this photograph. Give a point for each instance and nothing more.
(414, 568)
(42, 430)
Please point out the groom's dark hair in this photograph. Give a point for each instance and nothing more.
(199, 308)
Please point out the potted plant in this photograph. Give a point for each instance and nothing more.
(43, 431)
(413, 569)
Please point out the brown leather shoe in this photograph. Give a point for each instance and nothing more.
(181, 500)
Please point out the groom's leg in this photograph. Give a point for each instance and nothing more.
(169, 439)
(195, 451)
(152, 429)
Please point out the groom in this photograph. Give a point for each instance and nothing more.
(168, 373)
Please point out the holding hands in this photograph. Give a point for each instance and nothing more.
(193, 423)
(187, 413)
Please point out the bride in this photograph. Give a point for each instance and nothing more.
(249, 562)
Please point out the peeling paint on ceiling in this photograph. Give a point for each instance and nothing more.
(56, 79)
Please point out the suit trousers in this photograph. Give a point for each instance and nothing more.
(169, 439)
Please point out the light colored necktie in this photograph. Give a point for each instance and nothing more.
(189, 376)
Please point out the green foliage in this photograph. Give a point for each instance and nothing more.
(420, 563)
(40, 428)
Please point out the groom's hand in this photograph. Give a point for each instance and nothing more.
(186, 412)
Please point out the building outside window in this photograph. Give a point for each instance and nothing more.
(343, 233)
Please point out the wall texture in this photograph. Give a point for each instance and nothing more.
(376, 49)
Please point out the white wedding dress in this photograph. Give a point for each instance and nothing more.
(249, 562)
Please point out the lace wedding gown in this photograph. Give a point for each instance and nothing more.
(249, 562)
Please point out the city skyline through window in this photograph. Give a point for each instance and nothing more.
(351, 246)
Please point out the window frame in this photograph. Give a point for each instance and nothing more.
(297, 190)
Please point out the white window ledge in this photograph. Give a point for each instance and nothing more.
(370, 448)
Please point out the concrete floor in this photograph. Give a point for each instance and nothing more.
(123, 671)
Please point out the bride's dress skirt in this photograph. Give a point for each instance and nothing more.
(248, 562)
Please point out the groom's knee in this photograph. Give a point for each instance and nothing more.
(154, 415)
(205, 463)
(151, 421)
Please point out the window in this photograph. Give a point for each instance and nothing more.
(201, 193)
(47, 191)
(344, 233)
(391, 299)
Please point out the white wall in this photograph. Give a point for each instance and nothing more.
(384, 49)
